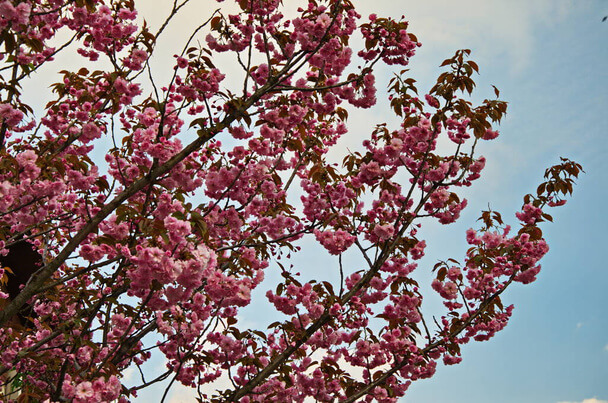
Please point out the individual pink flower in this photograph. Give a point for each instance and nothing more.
(90, 131)
(490, 135)
(85, 392)
(384, 232)
(432, 101)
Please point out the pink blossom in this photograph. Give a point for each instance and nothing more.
(529, 214)
(90, 131)
(490, 135)
(12, 117)
(384, 232)
(432, 101)
(335, 242)
(85, 392)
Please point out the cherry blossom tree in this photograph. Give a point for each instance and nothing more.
(154, 210)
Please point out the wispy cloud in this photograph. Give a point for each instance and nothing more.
(592, 400)
(181, 393)
(509, 28)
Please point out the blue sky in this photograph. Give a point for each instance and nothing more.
(549, 58)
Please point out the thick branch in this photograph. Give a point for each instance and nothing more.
(38, 280)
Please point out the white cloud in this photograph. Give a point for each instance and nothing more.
(592, 400)
(181, 393)
(494, 30)
(128, 374)
(606, 347)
